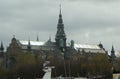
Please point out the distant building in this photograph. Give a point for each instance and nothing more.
(86, 48)
(60, 44)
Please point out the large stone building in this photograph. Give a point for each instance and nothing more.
(60, 44)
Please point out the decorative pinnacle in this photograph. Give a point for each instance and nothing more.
(49, 37)
(60, 21)
(60, 9)
(13, 36)
(37, 38)
(1, 48)
(112, 48)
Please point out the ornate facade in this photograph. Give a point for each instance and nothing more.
(59, 48)
(60, 44)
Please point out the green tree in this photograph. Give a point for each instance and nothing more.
(99, 64)
(3, 72)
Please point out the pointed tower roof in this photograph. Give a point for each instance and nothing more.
(112, 48)
(100, 45)
(49, 38)
(60, 21)
(37, 38)
(60, 34)
(48, 43)
(113, 53)
(28, 42)
(13, 39)
(29, 46)
(2, 47)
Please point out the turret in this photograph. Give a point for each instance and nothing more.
(37, 38)
(29, 46)
(113, 53)
(1, 49)
(100, 45)
(13, 39)
(72, 44)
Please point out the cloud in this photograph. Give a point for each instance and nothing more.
(86, 21)
(96, 0)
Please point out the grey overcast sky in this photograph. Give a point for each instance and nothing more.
(86, 21)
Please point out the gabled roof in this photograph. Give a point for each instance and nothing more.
(49, 43)
(86, 46)
(33, 43)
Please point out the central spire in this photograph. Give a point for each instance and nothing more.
(60, 35)
(60, 17)
(60, 8)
